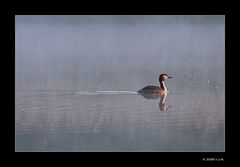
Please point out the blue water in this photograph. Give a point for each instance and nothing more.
(117, 121)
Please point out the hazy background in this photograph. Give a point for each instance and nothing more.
(116, 52)
(62, 61)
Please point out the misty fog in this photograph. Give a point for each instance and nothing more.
(77, 77)
(116, 52)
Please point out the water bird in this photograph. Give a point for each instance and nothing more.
(155, 91)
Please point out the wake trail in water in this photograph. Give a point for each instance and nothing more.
(105, 92)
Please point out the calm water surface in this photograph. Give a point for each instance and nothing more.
(77, 77)
(91, 121)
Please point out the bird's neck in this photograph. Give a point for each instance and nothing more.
(163, 86)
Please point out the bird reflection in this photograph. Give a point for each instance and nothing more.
(162, 104)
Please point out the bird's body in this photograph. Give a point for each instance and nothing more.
(150, 89)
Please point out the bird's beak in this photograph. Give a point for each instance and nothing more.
(169, 77)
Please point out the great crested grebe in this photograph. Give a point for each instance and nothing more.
(156, 89)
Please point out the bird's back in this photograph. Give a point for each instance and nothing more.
(150, 89)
